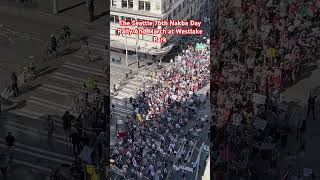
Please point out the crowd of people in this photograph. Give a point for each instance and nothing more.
(258, 48)
(165, 115)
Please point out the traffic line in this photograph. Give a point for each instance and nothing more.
(192, 151)
(87, 68)
(34, 130)
(127, 90)
(36, 115)
(186, 168)
(82, 70)
(53, 91)
(60, 89)
(30, 115)
(101, 37)
(120, 103)
(120, 114)
(76, 80)
(39, 155)
(81, 56)
(24, 163)
(123, 110)
(32, 133)
(46, 105)
(96, 47)
(122, 95)
(49, 104)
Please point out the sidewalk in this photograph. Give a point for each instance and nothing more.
(72, 11)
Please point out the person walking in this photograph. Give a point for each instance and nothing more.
(14, 83)
(66, 118)
(311, 106)
(53, 45)
(86, 51)
(75, 140)
(10, 140)
(50, 127)
(91, 10)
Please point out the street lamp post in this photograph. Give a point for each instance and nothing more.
(127, 50)
(137, 38)
(55, 6)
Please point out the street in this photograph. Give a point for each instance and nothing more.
(34, 155)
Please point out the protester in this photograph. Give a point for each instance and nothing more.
(163, 109)
(258, 49)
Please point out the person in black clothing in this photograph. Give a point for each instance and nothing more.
(75, 139)
(10, 140)
(53, 44)
(66, 118)
(311, 106)
(91, 10)
(301, 130)
(85, 140)
(14, 85)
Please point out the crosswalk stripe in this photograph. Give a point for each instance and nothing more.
(133, 86)
(122, 95)
(77, 55)
(82, 70)
(67, 80)
(120, 114)
(32, 133)
(206, 148)
(20, 145)
(49, 102)
(33, 129)
(122, 110)
(96, 47)
(53, 91)
(60, 88)
(82, 80)
(47, 105)
(39, 155)
(85, 67)
(25, 114)
(31, 165)
(101, 38)
(35, 115)
(127, 90)
(192, 151)
(119, 102)
(186, 168)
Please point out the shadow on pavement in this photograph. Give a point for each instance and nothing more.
(47, 71)
(29, 88)
(19, 105)
(71, 7)
(68, 51)
(96, 17)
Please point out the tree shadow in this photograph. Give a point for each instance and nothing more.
(47, 71)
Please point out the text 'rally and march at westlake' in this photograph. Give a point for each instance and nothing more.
(146, 27)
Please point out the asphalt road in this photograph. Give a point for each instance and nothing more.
(49, 94)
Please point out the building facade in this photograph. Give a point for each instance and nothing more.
(149, 10)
